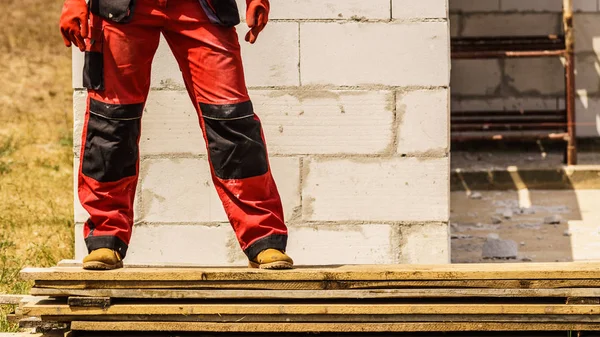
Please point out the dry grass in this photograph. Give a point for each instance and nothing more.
(36, 216)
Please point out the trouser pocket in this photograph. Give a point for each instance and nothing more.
(119, 11)
(221, 12)
(93, 69)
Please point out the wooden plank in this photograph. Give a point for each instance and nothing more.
(34, 333)
(583, 300)
(265, 285)
(96, 302)
(432, 334)
(322, 285)
(13, 299)
(49, 308)
(41, 325)
(579, 293)
(79, 264)
(542, 271)
(327, 327)
(336, 318)
(70, 263)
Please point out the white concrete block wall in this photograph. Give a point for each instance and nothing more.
(484, 82)
(422, 129)
(363, 43)
(354, 102)
(341, 243)
(328, 9)
(403, 189)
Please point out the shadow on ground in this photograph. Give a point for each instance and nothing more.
(528, 197)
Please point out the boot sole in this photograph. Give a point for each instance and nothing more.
(102, 266)
(279, 265)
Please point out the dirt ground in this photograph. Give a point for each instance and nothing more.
(575, 238)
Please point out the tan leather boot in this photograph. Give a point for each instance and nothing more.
(103, 259)
(272, 259)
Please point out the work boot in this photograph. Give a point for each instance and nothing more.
(103, 259)
(272, 259)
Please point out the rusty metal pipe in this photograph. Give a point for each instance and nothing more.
(509, 119)
(499, 136)
(506, 54)
(571, 152)
(509, 113)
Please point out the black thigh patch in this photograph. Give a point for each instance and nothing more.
(235, 143)
(93, 71)
(111, 143)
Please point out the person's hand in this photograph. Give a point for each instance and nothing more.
(74, 23)
(257, 16)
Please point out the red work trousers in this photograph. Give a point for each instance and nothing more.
(117, 74)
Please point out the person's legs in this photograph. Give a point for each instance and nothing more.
(210, 60)
(117, 75)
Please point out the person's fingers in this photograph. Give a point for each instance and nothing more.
(77, 35)
(79, 39)
(251, 17)
(258, 29)
(80, 42)
(251, 36)
(73, 38)
(261, 18)
(254, 32)
(65, 37)
(84, 26)
(256, 18)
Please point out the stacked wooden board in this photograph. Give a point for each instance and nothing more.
(398, 298)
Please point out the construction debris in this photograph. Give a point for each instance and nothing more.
(476, 196)
(496, 248)
(553, 220)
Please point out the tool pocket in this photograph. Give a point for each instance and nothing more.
(93, 69)
(119, 11)
(221, 12)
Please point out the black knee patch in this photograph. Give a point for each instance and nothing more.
(235, 144)
(111, 147)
